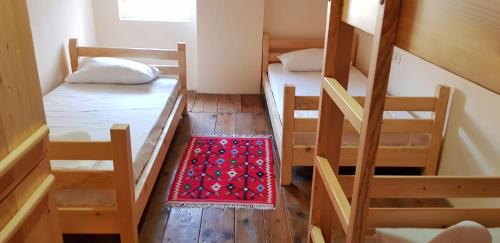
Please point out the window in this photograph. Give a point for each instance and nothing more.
(156, 10)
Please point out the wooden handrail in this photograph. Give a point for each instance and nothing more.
(345, 102)
(22, 149)
(25, 211)
(335, 192)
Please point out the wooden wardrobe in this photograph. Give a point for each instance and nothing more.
(27, 209)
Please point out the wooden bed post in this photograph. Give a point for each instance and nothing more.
(181, 56)
(124, 180)
(287, 141)
(73, 53)
(265, 52)
(439, 119)
(265, 58)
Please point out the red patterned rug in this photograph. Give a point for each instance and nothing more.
(225, 172)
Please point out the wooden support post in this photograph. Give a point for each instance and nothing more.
(338, 45)
(383, 44)
(124, 179)
(73, 54)
(181, 56)
(287, 142)
(439, 119)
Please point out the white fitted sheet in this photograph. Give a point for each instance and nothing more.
(309, 84)
(86, 112)
(411, 235)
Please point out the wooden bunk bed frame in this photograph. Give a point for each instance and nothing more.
(131, 197)
(332, 213)
(294, 149)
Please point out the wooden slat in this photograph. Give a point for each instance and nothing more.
(428, 186)
(390, 156)
(361, 14)
(305, 124)
(80, 150)
(431, 217)
(98, 220)
(316, 236)
(400, 126)
(169, 70)
(306, 102)
(295, 44)
(405, 103)
(84, 179)
(334, 189)
(127, 52)
(346, 103)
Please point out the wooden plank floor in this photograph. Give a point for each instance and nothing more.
(224, 114)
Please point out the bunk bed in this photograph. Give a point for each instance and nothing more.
(293, 100)
(105, 170)
(340, 205)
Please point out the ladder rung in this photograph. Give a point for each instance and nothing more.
(346, 103)
(334, 189)
(316, 235)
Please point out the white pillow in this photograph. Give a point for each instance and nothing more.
(106, 70)
(305, 60)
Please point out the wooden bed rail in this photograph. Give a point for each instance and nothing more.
(75, 52)
(121, 179)
(392, 103)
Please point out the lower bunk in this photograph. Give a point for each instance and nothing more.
(412, 130)
(108, 142)
(329, 222)
(406, 141)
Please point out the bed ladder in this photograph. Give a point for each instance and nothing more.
(380, 19)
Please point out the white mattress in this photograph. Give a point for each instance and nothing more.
(309, 84)
(410, 235)
(86, 112)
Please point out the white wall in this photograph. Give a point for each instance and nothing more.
(111, 31)
(230, 45)
(295, 18)
(471, 146)
(53, 22)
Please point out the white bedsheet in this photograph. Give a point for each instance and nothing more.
(86, 112)
(309, 84)
(411, 235)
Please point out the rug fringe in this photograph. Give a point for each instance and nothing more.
(221, 135)
(218, 205)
